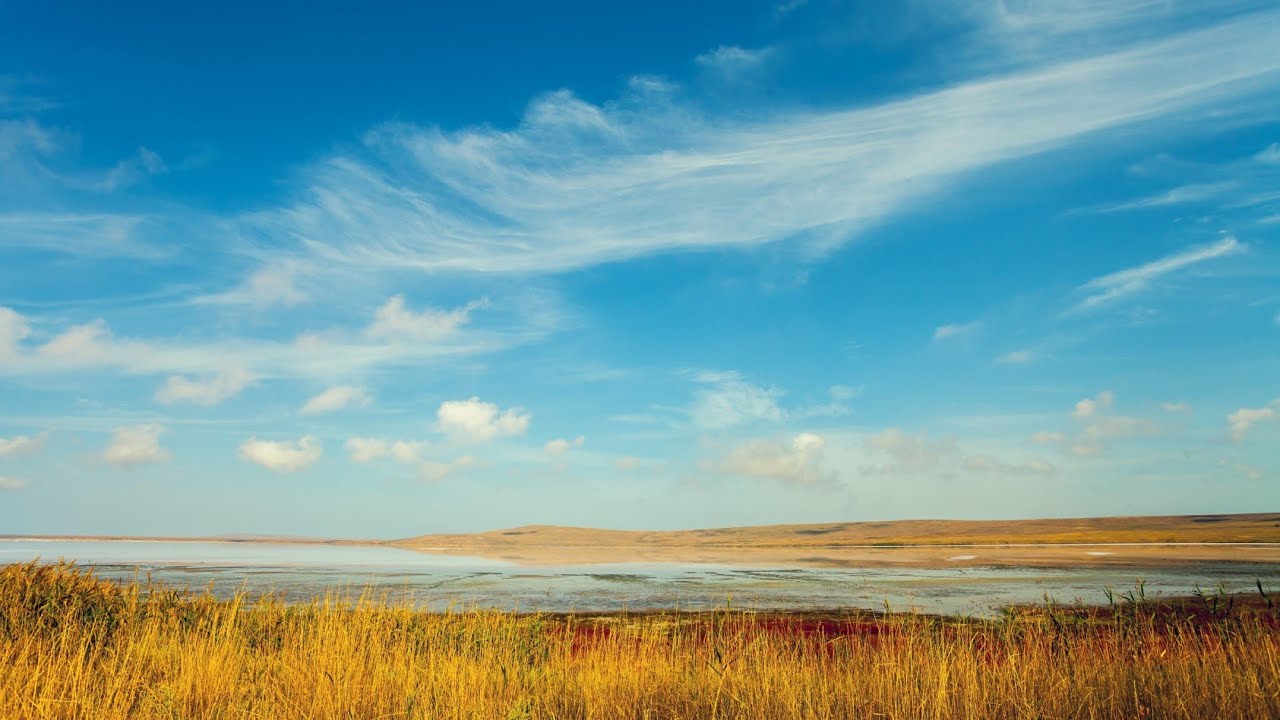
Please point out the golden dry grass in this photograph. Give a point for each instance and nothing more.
(72, 646)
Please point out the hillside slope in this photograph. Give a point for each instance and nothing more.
(1259, 527)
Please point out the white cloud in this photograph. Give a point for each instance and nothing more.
(954, 330)
(22, 444)
(316, 355)
(268, 286)
(136, 445)
(1101, 427)
(837, 404)
(796, 461)
(1046, 437)
(405, 452)
(1269, 154)
(1092, 406)
(560, 446)
(8, 483)
(81, 234)
(729, 400)
(1094, 438)
(282, 456)
(786, 7)
(1181, 195)
(577, 184)
(203, 391)
(1017, 357)
(1108, 288)
(13, 328)
(732, 62)
(364, 449)
(472, 420)
(336, 398)
(909, 453)
(394, 322)
(1243, 420)
(1177, 408)
(433, 471)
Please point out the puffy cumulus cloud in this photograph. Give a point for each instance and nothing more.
(910, 453)
(796, 461)
(1094, 405)
(1100, 426)
(728, 400)
(336, 398)
(473, 420)
(560, 446)
(954, 330)
(203, 391)
(1240, 422)
(282, 456)
(395, 322)
(405, 452)
(1177, 408)
(365, 449)
(22, 444)
(136, 445)
(8, 483)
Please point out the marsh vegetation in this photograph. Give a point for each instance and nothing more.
(75, 646)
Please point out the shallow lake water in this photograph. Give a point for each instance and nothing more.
(301, 572)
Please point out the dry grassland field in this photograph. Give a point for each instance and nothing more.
(72, 647)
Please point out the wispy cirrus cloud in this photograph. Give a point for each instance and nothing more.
(578, 184)
(392, 337)
(336, 398)
(1181, 195)
(1131, 281)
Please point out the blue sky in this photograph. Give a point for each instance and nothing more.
(309, 269)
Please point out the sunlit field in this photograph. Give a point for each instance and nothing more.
(72, 645)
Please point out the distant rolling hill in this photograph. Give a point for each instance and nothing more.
(1251, 528)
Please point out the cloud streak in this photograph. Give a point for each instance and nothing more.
(577, 184)
(1115, 286)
